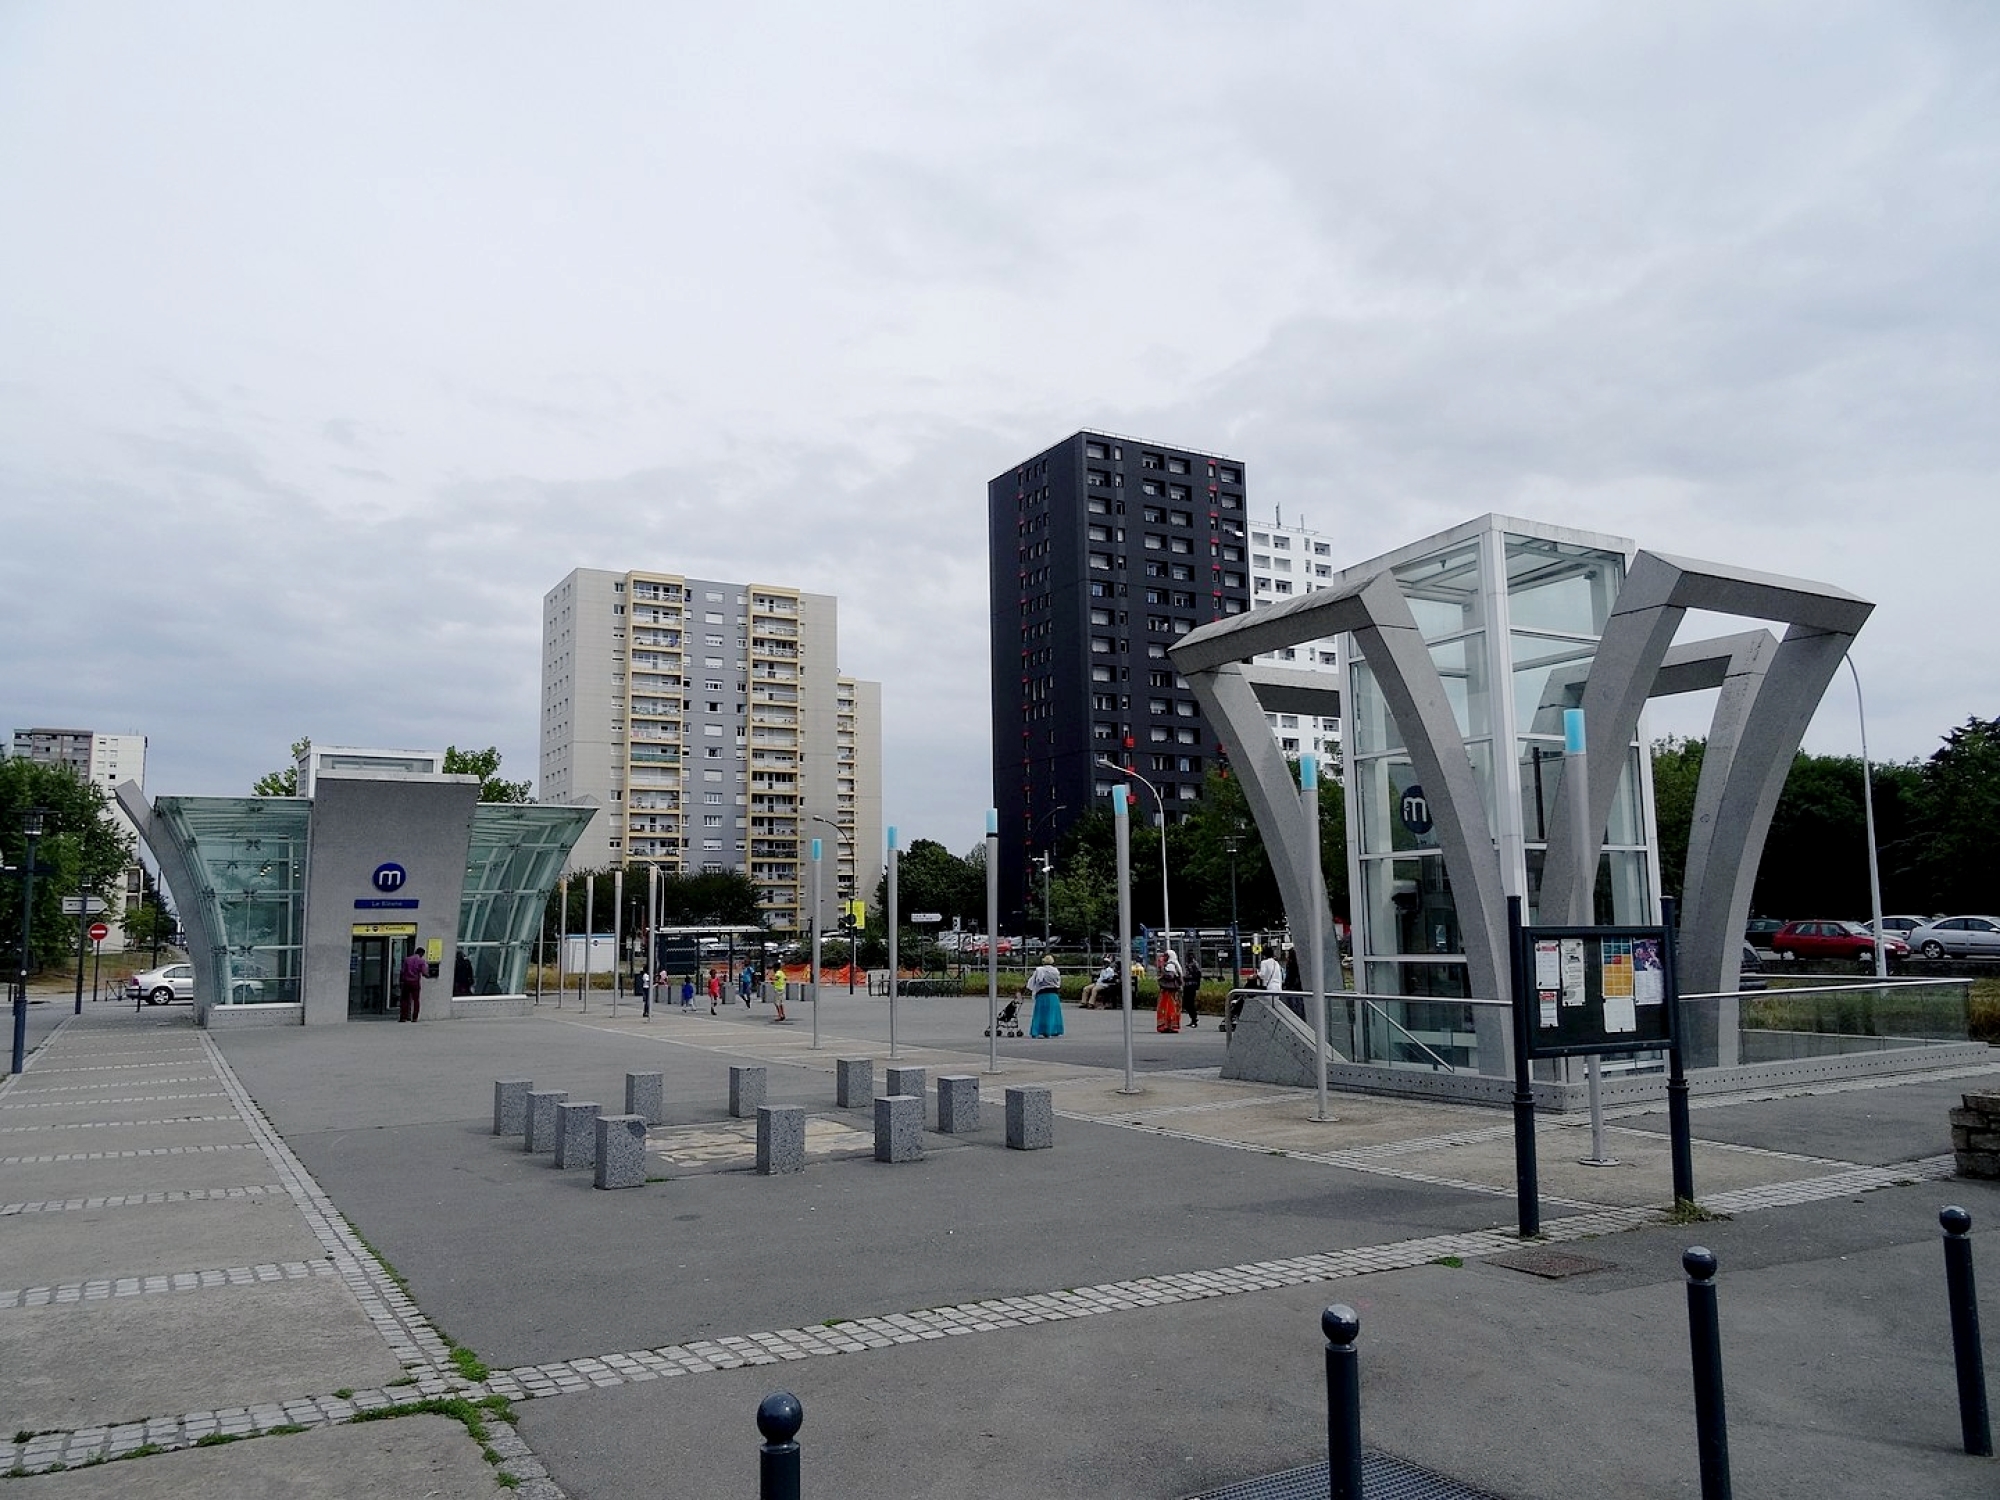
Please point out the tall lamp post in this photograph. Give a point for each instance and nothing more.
(1166, 918)
(31, 827)
(1233, 842)
(853, 930)
(1047, 863)
(1868, 808)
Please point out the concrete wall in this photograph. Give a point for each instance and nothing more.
(422, 823)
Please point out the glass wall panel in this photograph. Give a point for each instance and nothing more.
(1443, 591)
(1541, 764)
(1548, 678)
(1381, 782)
(1556, 586)
(1369, 727)
(1409, 907)
(512, 861)
(1461, 666)
(1441, 980)
(247, 855)
(1627, 823)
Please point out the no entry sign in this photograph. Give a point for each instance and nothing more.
(99, 932)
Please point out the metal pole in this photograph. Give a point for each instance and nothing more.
(1527, 1181)
(1121, 797)
(589, 931)
(1711, 1424)
(82, 932)
(617, 937)
(815, 962)
(1316, 935)
(31, 825)
(96, 969)
(993, 936)
(1965, 1346)
(779, 1418)
(1341, 1324)
(1680, 1134)
(892, 915)
(1235, 933)
(562, 942)
(1868, 809)
(1582, 901)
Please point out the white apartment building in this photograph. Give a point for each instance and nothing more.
(711, 723)
(104, 760)
(1286, 561)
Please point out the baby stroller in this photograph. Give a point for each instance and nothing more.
(1008, 1022)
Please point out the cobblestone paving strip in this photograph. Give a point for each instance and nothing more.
(178, 1281)
(10, 1103)
(84, 1088)
(139, 1200)
(118, 1124)
(180, 1060)
(23, 1161)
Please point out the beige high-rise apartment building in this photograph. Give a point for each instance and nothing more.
(712, 725)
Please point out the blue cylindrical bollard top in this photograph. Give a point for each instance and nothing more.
(780, 1416)
(1955, 1219)
(1340, 1323)
(1699, 1262)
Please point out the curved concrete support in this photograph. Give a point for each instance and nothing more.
(206, 949)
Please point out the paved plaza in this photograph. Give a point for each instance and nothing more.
(220, 1253)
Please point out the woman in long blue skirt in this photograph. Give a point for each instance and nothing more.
(1046, 986)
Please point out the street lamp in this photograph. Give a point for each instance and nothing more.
(845, 917)
(31, 827)
(1046, 862)
(1868, 808)
(1233, 842)
(1166, 919)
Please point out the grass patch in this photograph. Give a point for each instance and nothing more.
(1451, 1262)
(344, 1392)
(468, 1364)
(284, 1429)
(1687, 1211)
(508, 1481)
(218, 1439)
(399, 1380)
(380, 1259)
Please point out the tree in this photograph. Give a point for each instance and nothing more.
(932, 878)
(485, 764)
(1676, 774)
(81, 851)
(1957, 822)
(282, 783)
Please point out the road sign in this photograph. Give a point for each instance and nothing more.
(922, 918)
(78, 906)
(99, 932)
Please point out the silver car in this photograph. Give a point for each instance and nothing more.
(1958, 937)
(162, 985)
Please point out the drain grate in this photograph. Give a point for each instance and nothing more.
(1551, 1264)
(1382, 1478)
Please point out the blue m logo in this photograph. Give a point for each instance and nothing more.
(390, 877)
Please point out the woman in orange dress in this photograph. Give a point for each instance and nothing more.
(1167, 1014)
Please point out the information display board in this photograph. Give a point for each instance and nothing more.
(1602, 990)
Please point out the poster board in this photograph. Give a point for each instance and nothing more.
(1596, 990)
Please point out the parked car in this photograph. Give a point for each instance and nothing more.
(1902, 927)
(1824, 939)
(161, 986)
(1751, 976)
(1759, 931)
(1958, 937)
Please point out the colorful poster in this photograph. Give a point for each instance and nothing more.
(1649, 978)
(1616, 976)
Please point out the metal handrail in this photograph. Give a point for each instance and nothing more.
(1436, 1061)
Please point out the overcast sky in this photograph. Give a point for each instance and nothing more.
(332, 335)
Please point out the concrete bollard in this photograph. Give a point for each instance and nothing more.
(853, 1082)
(646, 1096)
(899, 1128)
(781, 1139)
(1031, 1118)
(510, 1105)
(538, 1136)
(958, 1103)
(576, 1134)
(621, 1151)
(904, 1080)
(746, 1091)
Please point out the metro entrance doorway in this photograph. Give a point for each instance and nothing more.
(373, 964)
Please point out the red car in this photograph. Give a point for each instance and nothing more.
(1834, 940)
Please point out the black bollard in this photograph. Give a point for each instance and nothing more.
(1965, 1349)
(779, 1418)
(1340, 1323)
(1711, 1426)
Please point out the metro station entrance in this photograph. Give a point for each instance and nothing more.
(374, 962)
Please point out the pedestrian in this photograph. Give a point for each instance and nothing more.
(1271, 973)
(1045, 984)
(714, 989)
(1292, 979)
(415, 969)
(461, 973)
(749, 984)
(1167, 1011)
(1191, 989)
(1097, 995)
(642, 986)
(687, 992)
(778, 991)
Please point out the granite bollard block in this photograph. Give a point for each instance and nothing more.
(646, 1096)
(899, 1127)
(1975, 1135)
(510, 1105)
(538, 1135)
(621, 1151)
(781, 1139)
(746, 1091)
(853, 1081)
(958, 1103)
(576, 1134)
(1031, 1119)
(903, 1081)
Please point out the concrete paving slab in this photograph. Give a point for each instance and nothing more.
(426, 1456)
(16, 1141)
(92, 1109)
(132, 1357)
(1872, 1125)
(133, 1174)
(53, 1082)
(151, 1239)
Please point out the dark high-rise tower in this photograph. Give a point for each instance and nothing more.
(1102, 551)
